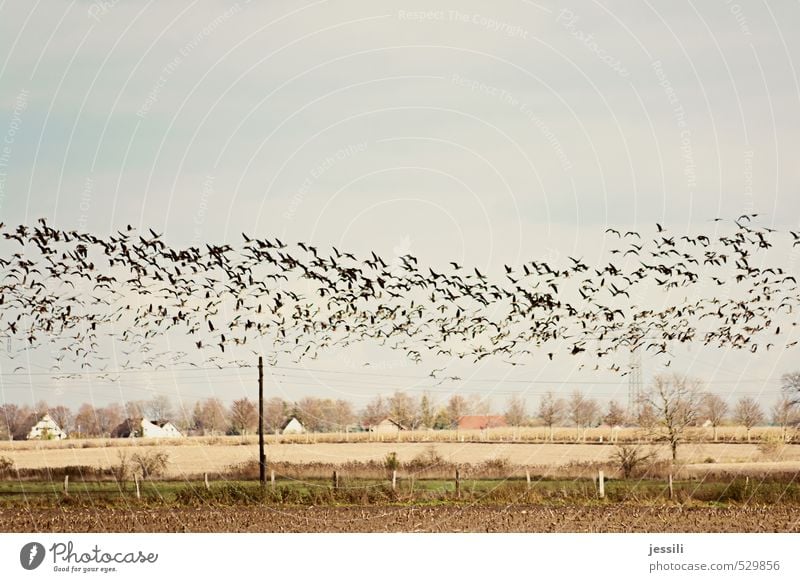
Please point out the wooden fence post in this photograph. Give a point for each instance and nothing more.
(528, 477)
(458, 484)
(601, 484)
(394, 480)
(671, 492)
(272, 478)
(205, 478)
(136, 482)
(335, 480)
(66, 484)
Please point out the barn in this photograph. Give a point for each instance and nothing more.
(387, 426)
(144, 428)
(293, 426)
(40, 427)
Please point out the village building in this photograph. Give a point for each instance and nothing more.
(293, 426)
(386, 426)
(40, 427)
(144, 428)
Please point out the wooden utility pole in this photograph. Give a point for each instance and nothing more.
(262, 457)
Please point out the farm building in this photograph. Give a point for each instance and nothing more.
(293, 426)
(387, 426)
(481, 422)
(39, 427)
(143, 428)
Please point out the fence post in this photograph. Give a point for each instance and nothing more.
(601, 483)
(528, 477)
(458, 484)
(136, 482)
(671, 492)
(66, 484)
(394, 480)
(335, 480)
(205, 478)
(272, 478)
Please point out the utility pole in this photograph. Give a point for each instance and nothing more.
(262, 457)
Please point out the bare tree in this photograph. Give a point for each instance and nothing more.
(11, 419)
(404, 409)
(63, 417)
(276, 412)
(675, 402)
(791, 385)
(158, 408)
(615, 414)
(343, 414)
(748, 414)
(375, 411)
(457, 407)
(583, 412)
(551, 411)
(86, 423)
(713, 409)
(785, 414)
(210, 417)
(108, 418)
(516, 414)
(243, 416)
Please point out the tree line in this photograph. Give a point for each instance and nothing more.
(672, 404)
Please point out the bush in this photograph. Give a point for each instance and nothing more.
(150, 464)
(6, 465)
(630, 457)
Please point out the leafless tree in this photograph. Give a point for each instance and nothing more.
(748, 414)
(86, 421)
(276, 413)
(615, 414)
(210, 417)
(713, 409)
(375, 411)
(583, 412)
(790, 383)
(11, 419)
(674, 400)
(158, 408)
(785, 413)
(457, 407)
(63, 417)
(404, 409)
(243, 416)
(108, 417)
(551, 411)
(516, 414)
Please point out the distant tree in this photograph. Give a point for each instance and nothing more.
(108, 418)
(785, 414)
(477, 404)
(159, 408)
(404, 409)
(457, 407)
(63, 417)
(427, 414)
(615, 414)
(791, 386)
(551, 411)
(442, 420)
(342, 415)
(375, 411)
(516, 414)
(713, 409)
(276, 413)
(135, 408)
(86, 424)
(243, 416)
(646, 416)
(748, 414)
(582, 411)
(210, 417)
(11, 419)
(674, 400)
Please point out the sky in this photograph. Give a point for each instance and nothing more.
(485, 134)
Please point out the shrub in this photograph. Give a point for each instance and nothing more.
(151, 463)
(630, 457)
(6, 465)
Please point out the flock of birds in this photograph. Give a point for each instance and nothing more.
(71, 292)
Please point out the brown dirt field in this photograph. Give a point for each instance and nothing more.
(189, 457)
(561, 519)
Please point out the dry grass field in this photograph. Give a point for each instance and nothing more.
(194, 456)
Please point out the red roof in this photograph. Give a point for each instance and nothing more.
(473, 422)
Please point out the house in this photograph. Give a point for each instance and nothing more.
(481, 422)
(40, 427)
(386, 426)
(144, 428)
(293, 426)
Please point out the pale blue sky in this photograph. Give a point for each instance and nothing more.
(485, 133)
